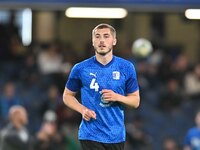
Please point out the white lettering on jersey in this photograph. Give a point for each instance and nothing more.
(94, 85)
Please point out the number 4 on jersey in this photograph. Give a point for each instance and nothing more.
(94, 85)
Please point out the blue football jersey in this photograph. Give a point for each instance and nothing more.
(91, 77)
(192, 138)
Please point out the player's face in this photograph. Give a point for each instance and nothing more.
(103, 41)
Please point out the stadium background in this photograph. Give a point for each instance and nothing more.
(168, 104)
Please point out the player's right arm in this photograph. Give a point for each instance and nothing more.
(70, 100)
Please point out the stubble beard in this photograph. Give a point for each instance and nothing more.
(103, 53)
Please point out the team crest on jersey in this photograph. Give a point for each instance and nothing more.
(116, 75)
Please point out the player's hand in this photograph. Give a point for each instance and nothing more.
(109, 95)
(88, 114)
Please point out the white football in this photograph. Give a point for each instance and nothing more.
(142, 48)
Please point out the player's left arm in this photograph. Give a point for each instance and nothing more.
(132, 99)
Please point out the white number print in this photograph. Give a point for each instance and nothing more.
(94, 85)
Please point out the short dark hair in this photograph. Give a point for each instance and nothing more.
(104, 25)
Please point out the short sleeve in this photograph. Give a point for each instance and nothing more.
(132, 82)
(74, 82)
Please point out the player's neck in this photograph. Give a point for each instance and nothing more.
(104, 60)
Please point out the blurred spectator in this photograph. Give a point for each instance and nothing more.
(49, 137)
(15, 135)
(67, 65)
(7, 31)
(70, 54)
(3, 43)
(70, 57)
(52, 101)
(137, 137)
(156, 56)
(152, 75)
(142, 75)
(165, 68)
(50, 59)
(180, 68)
(67, 117)
(8, 99)
(17, 49)
(29, 72)
(170, 143)
(192, 83)
(192, 138)
(171, 96)
(50, 64)
(13, 65)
